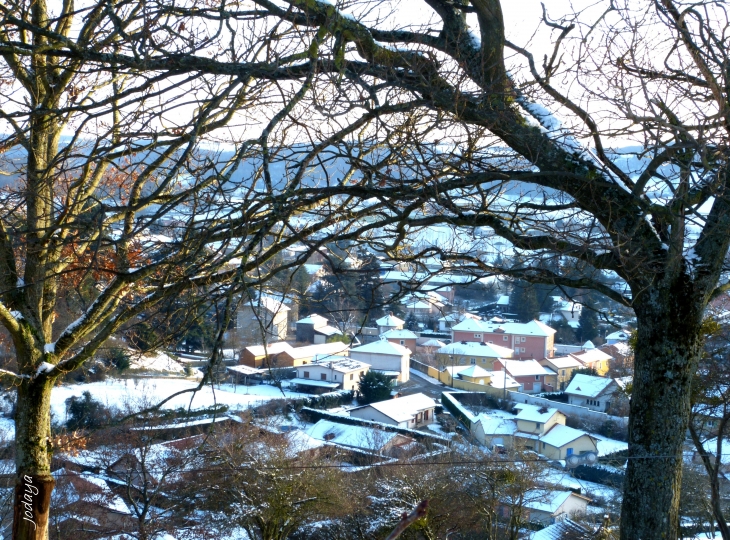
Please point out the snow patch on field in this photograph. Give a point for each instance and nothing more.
(119, 393)
(157, 361)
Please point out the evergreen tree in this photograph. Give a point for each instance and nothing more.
(588, 322)
(411, 323)
(523, 302)
(375, 386)
(369, 286)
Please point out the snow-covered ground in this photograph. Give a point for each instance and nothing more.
(157, 361)
(144, 392)
(590, 489)
(425, 377)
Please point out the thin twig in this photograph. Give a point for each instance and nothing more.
(408, 519)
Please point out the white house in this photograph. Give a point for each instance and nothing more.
(593, 392)
(618, 337)
(326, 373)
(389, 322)
(358, 437)
(407, 412)
(548, 507)
(382, 355)
(447, 321)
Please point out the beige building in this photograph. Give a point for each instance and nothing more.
(464, 353)
(297, 356)
(548, 507)
(329, 373)
(564, 367)
(543, 430)
(262, 319)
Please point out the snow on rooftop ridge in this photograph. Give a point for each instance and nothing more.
(404, 408)
(382, 346)
(588, 385)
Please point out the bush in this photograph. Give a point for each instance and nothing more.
(86, 413)
(375, 386)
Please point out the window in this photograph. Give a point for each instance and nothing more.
(477, 336)
(473, 361)
(562, 373)
(569, 452)
(523, 339)
(538, 425)
(543, 446)
(425, 415)
(504, 338)
(306, 374)
(352, 376)
(402, 341)
(323, 376)
(537, 377)
(484, 360)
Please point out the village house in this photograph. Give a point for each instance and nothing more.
(365, 438)
(596, 393)
(533, 377)
(564, 367)
(315, 329)
(477, 375)
(594, 359)
(543, 430)
(527, 340)
(471, 352)
(447, 321)
(389, 358)
(411, 411)
(620, 336)
(262, 319)
(298, 356)
(389, 322)
(548, 507)
(425, 304)
(257, 356)
(402, 337)
(327, 373)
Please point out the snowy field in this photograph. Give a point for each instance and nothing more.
(137, 393)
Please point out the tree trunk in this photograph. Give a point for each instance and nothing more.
(669, 342)
(34, 483)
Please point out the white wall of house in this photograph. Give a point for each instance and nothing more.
(385, 362)
(369, 413)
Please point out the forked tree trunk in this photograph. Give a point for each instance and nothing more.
(667, 353)
(34, 483)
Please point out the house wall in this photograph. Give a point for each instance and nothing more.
(369, 413)
(531, 385)
(275, 360)
(408, 343)
(385, 362)
(536, 347)
(248, 325)
(581, 444)
(485, 362)
(530, 427)
(599, 403)
(343, 379)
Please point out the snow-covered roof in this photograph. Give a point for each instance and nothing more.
(245, 370)
(351, 436)
(335, 347)
(404, 408)
(327, 330)
(548, 501)
(524, 368)
(560, 435)
(588, 345)
(341, 364)
(399, 334)
(564, 362)
(389, 320)
(532, 328)
(474, 371)
(458, 317)
(560, 531)
(472, 348)
(271, 348)
(499, 382)
(496, 425)
(620, 335)
(382, 346)
(532, 413)
(314, 319)
(313, 382)
(593, 355)
(588, 385)
(503, 300)
(433, 343)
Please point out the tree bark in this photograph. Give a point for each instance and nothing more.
(667, 353)
(34, 483)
